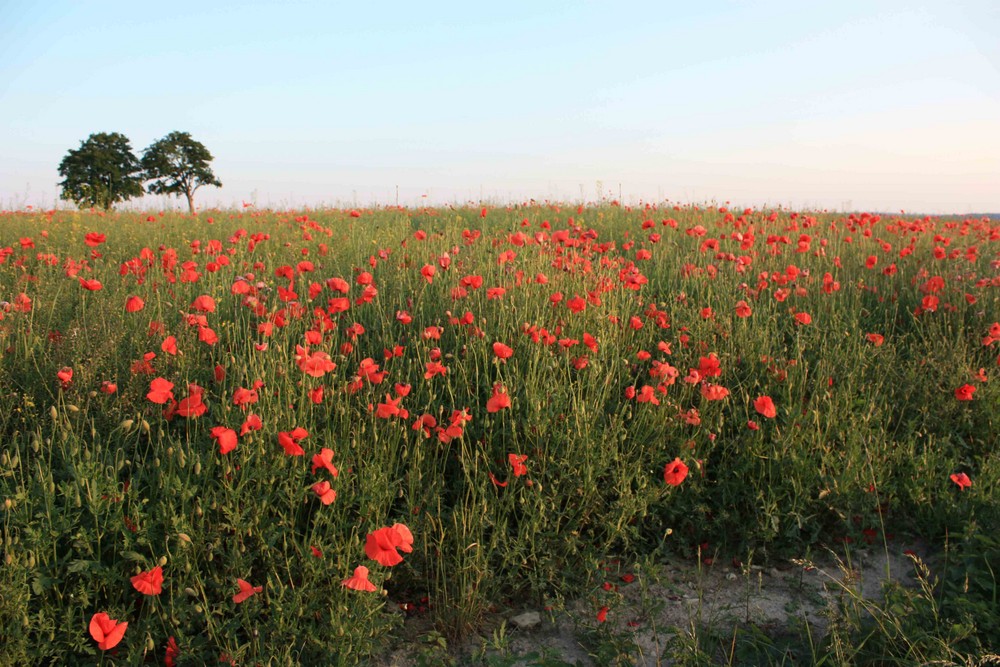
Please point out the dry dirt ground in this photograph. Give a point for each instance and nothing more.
(673, 597)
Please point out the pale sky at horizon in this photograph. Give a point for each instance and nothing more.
(877, 105)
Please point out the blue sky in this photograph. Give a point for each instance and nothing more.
(863, 105)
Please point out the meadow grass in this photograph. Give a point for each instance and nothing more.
(629, 352)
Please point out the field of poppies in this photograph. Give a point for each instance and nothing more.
(248, 435)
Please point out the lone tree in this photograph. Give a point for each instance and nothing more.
(101, 172)
(178, 164)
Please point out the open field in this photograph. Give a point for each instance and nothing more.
(488, 408)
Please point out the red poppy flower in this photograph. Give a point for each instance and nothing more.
(965, 392)
(65, 376)
(160, 391)
(225, 437)
(647, 394)
(106, 631)
(192, 405)
(714, 392)
(94, 239)
(169, 345)
(602, 614)
(244, 397)
(313, 364)
(289, 441)
(22, 303)
(326, 494)
(381, 546)
(150, 582)
(172, 652)
(765, 406)
(743, 309)
(675, 472)
(962, 480)
(359, 580)
(90, 285)
(576, 304)
(390, 408)
(434, 368)
(709, 366)
(203, 304)
(134, 304)
(428, 272)
(324, 460)
(246, 590)
(252, 423)
(207, 336)
(499, 401)
(517, 463)
(502, 351)
(875, 339)
(425, 423)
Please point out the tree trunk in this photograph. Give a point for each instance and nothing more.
(190, 196)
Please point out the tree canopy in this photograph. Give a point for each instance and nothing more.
(178, 164)
(101, 172)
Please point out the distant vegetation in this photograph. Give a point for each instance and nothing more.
(103, 171)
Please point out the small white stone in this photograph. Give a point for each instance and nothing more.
(527, 620)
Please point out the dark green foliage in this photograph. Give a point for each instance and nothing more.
(101, 172)
(178, 165)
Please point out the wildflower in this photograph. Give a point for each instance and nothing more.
(225, 437)
(517, 463)
(252, 423)
(134, 304)
(359, 580)
(203, 304)
(324, 460)
(192, 405)
(962, 480)
(326, 494)
(172, 652)
(434, 368)
(502, 351)
(246, 590)
(675, 472)
(169, 345)
(965, 392)
(765, 406)
(94, 239)
(875, 339)
(714, 392)
(381, 546)
(160, 391)
(106, 631)
(499, 401)
(65, 376)
(149, 582)
(289, 441)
